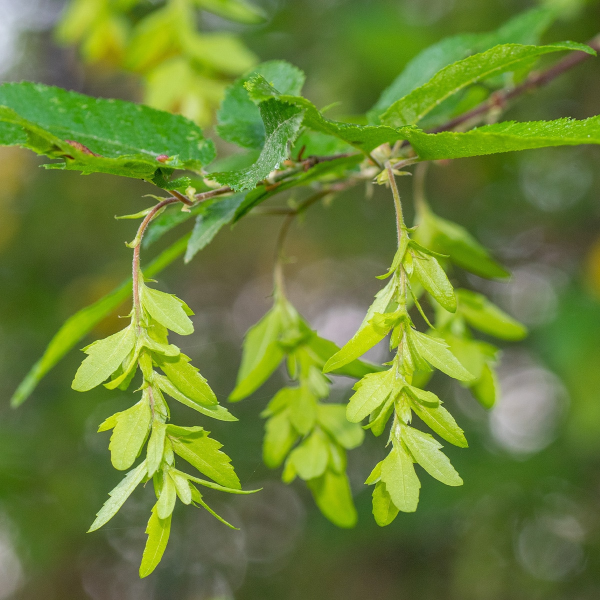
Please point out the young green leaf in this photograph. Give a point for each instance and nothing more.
(333, 496)
(167, 498)
(455, 77)
(156, 447)
(436, 352)
(325, 349)
(104, 358)
(310, 458)
(303, 409)
(216, 411)
(262, 354)
(460, 246)
(203, 453)
(279, 439)
(332, 417)
(119, 495)
(433, 278)
(442, 422)
(362, 341)
(182, 486)
(167, 310)
(97, 135)
(401, 481)
(371, 392)
(186, 378)
(384, 510)
(158, 531)
(426, 451)
(197, 499)
(129, 434)
(486, 388)
(480, 313)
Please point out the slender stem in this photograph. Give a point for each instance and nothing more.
(397, 203)
(281, 237)
(136, 254)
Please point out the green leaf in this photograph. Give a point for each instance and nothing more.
(426, 451)
(239, 120)
(371, 392)
(262, 354)
(82, 322)
(186, 378)
(282, 126)
(216, 411)
(325, 349)
(436, 353)
(104, 358)
(158, 531)
(97, 135)
(310, 458)
(486, 388)
(384, 510)
(525, 28)
(363, 137)
(442, 422)
(210, 221)
(480, 313)
(203, 453)
(215, 486)
(303, 409)
(433, 278)
(401, 481)
(108, 423)
(167, 498)
(156, 447)
(129, 434)
(279, 439)
(182, 486)
(332, 417)
(410, 109)
(167, 310)
(119, 495)
(461, 247)
(362, 341)
(333, 496)
(507, 136)
(380, 416)
(197, 499)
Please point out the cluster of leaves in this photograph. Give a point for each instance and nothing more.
(397, 393)
(161, 42)
(144, 344)
(310, 434)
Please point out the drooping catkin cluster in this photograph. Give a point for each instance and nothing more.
(143, 345)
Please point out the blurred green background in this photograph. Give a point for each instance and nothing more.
(526, 524)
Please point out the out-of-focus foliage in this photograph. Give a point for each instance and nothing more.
(183, 69)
